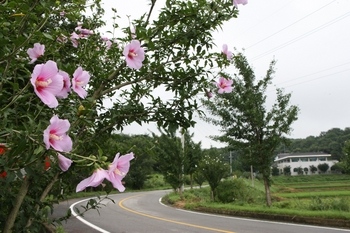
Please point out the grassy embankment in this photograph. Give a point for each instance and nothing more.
(316, 196)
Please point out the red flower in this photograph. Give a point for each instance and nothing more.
(3, 174)
(3, 149)
(47, 163)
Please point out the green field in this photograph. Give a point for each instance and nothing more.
(316, 196)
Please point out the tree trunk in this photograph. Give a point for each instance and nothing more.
(43, 196)
(14, 211)
(191, 180)
(267, 191)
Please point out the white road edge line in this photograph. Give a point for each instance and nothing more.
(83, 220)
(255, 220)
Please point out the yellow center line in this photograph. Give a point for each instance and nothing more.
(167, 220)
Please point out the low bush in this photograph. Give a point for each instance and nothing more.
(236, 190)
(341, 204)
(155, 181)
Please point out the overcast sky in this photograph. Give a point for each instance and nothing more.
(310, 41)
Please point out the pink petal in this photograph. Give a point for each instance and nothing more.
(63, 162)
(80, 91)
(64, 145)
(60, 126)
(94, 180)
(80, 79)
(224, 48)
(49, 69)
(124, 163)
(47, 137)
(47, 98)
(118, 185)
(66, 85)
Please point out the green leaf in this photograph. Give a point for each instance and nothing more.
(48, 36)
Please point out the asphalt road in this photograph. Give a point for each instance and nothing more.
(143, 213)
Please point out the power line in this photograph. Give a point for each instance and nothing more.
(302, 36)
(310, 80)
(291, 80)
(290, 25)
(270, 15)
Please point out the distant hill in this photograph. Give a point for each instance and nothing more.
(330, 142)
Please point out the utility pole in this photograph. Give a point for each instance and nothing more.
(230, 163)
(183, 156)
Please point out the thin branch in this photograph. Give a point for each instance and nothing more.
(150, 13)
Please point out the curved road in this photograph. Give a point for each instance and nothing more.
(142, 213)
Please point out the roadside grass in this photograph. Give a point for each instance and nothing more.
(201, 198)
(321, 186)
(303, 196)
(306, 179)
(309, 194)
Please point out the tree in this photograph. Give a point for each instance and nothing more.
(193, 154)
(199, 177)
(178, 59)
(245, 122)
(345, 162)
(313, 169)
(287, 170)
(323, 167)
(142, 166)
(170, 158)
(214, 169)
(275, 171)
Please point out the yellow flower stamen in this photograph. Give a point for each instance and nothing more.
(132, 54)
(43, 83)
(55, 137)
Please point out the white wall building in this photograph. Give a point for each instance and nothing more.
(302, 160)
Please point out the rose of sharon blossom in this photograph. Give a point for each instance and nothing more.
(94, 180)
(35, 52)
(55, 135)
(226, 52)
(118, 170)
(66, 85)
(80, 79)
(236, 2)
(63, 162)
(74, 39)
(208, 94)
(224, 85)
(47, 82)
(133, 32)
(134, 54)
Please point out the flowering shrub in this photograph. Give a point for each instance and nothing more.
(51, 48)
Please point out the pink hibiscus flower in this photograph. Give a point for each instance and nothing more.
(80, 79)
(226, 52)
(35, 52)
(134, 54)
(55, 135)
(236, 2)
(224, 85)
(62, 39)
(133, 32)
(63, 162)
(94, 180)
(66, 85)
(208, 94)
(74, 39)
(47, 82)
(118, 170)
